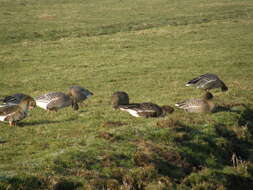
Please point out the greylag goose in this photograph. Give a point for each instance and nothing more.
(207, 82)
(119, 98)
(53, 101)
(198, 105)
(146, 109)
(79, 93)
(16, 99)
(15, 113)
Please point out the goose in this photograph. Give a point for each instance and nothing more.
(207, 82)
(79, 93)
(146, 109)
(14, 113)
(119, 98)
(16, 99)
(198, 105)
(53, 101)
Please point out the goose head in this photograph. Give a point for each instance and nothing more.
(79, 93)
(27, 103)
(119, 98)
(167, 109)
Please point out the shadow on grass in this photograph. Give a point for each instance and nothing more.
(197, 146)
(237, 143)
(246, 118)
(30, 182)
(20, 182)
(209, 152)
(213, 179)
(227, 108)
(201, 150)
(66, 185)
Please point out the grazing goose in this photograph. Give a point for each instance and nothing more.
(146, 110)
(207, 82)
(53, 101)
(15, 113)
(79, 93)
(199, 105)
(16, 99)
(119, 98)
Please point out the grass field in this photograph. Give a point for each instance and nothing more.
(150, 49)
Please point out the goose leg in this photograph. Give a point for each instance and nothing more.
(11, 123)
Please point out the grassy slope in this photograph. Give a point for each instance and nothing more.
(149, 49)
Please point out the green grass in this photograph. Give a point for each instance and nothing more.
(149, 49)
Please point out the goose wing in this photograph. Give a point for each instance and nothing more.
(206, 81)
(143, 109)
(49, 100)
(133, 106)
(7, 110)
(192, 105)
(59, 102)
(14, 99)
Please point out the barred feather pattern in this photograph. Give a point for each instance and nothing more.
(196, 105)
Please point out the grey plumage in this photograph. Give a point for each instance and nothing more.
(197, 105)
(142, 109)
(79, 93)
(146, 109)
(119, 98)
(14, 113)
(14, 99)
(53, 101)
(207, 82)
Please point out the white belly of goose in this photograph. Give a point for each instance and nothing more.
(132, 112)
(2, 117)
(42, 104)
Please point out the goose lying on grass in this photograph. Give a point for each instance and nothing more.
(146, 110)
(207, 82)
(120, 100)
(198, 105)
